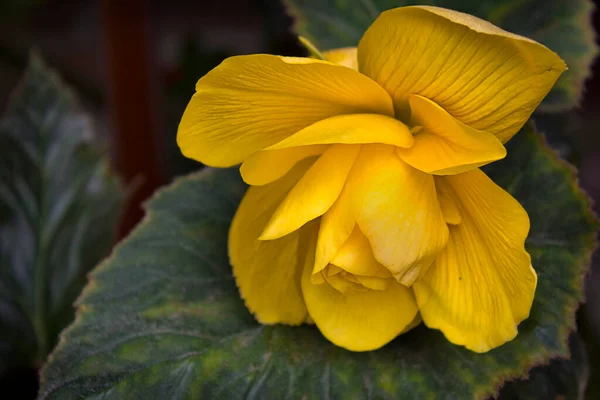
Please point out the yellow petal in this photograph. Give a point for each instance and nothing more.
(333, 270)
(356, 257)
(267, 166)
(346, 56)
(483, 76)
(314, 194)
(251, 102)
(351, 129)
(415, 322)
(361, 321)
(374, 282)
(336, 227)
(398, 211)
(449, 208)
(268, 273)
(482, 285)
(444, 145)
(343, 283)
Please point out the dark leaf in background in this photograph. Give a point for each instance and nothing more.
(162, 318)
(59, 205)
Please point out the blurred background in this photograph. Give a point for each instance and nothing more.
(134, 65)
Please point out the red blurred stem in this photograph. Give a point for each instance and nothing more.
(130, 69)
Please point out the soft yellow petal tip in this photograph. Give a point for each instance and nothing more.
(346, 56)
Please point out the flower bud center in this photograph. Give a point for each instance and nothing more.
(348, 283)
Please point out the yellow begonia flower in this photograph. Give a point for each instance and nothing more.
(367, 210)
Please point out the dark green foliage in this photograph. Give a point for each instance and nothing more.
(162, 318)
(59, 205)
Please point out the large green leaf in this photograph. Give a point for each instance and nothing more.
(59, 204)
(162, 318)
(565, 26)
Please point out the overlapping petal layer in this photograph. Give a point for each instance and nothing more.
(251, 102)
(266, 166)
(356, 257)
(351, 129)
(314, 193)
(448, 205)
(358, 321)
(485, 77)
(482, 284)
(268, 272)
(445, 146)
(336, 227)
(397, 209)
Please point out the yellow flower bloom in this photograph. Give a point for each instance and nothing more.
(367, 210)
